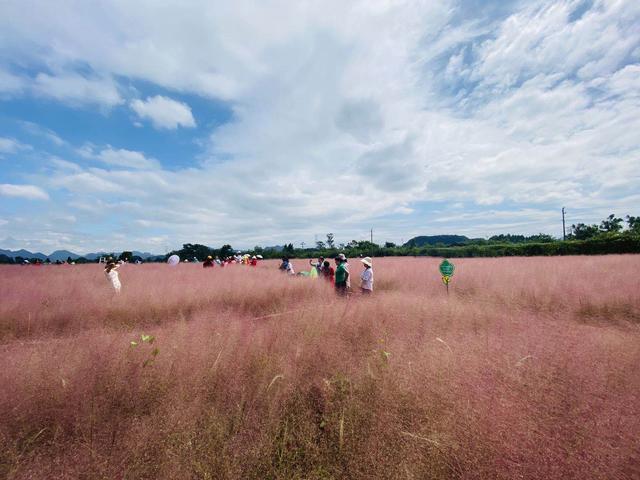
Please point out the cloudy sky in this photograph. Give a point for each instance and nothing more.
(146, 124)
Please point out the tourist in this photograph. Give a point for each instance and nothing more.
(287, 266)
(317, 265)
(366, 278)
(254, 261)
(289, 269)
(327, 271)
(208, 263)
(110, 270)
(341, 275)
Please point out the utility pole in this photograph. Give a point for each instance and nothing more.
(564, 231)
(372, 235)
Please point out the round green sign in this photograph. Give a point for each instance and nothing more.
(446, 268)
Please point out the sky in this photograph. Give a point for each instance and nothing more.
(144, 125)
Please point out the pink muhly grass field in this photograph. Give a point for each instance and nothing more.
(527, 369)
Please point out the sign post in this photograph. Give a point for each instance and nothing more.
(446, 270)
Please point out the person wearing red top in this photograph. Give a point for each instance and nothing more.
(208, 263)
(327, 271)
(254, 261)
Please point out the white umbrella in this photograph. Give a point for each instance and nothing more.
(173, 260)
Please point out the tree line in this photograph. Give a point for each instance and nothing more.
(612, 235)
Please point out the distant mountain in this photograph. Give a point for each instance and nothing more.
(145, 254)
(63, 255)
(23, 253)
(436, 239)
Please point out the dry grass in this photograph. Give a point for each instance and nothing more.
(528, 369)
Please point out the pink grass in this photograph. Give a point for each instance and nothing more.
(528, 369)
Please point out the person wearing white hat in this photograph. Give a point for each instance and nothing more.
(366, 277)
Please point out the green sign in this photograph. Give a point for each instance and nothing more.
(446, 268)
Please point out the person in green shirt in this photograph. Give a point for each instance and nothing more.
(342, 275)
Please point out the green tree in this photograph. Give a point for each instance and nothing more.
(194, 250)
(541, 238)
(352, 244)
(125, 256)
(225, 251)
(582, 231)
(389, 245)
(320, 245)
(331, 241)
(634, 224)
(611, 224)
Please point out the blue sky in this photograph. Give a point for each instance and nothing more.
(140, 125)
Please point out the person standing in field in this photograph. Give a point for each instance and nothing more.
(287, 266)
(319, 265)
(346, 266)
(208, 263)
(289, 269)
(366, 277)
(328, 272)
(342, 275)
(110, 271)
(254, 261)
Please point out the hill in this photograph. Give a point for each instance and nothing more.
(63, 255)
(447, 240)
(23, 254)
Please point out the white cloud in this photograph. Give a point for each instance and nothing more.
(93, 182)
(118, 157)
(126, 158)
(343, 112)
(541, 39)
(65, 165)
(11, 145)
(29, 192)
(38, 130)
(164, 112)
(77, 89)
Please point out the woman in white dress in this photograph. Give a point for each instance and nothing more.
(110, 270)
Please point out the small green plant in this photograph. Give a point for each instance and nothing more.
(148, 339)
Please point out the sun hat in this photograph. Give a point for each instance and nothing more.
(341, 257)
(367, 261)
